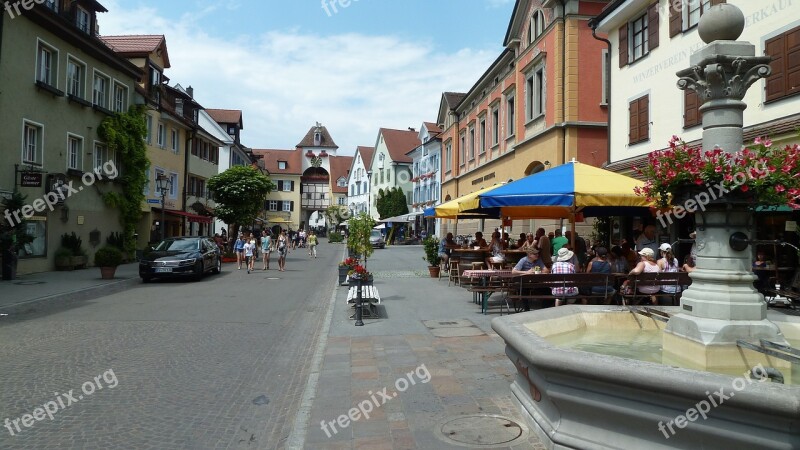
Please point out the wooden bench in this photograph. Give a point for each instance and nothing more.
(539, 287)
(677, 279)
(370, 297)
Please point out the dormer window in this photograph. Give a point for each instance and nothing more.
(281, 165)
(82, 20)
(231, 130)
(317, 138)
(155, 76)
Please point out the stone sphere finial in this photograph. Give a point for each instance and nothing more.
(723, 22)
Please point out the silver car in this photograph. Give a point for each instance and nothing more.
(376, 239)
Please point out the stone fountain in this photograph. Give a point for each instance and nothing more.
(702, 394)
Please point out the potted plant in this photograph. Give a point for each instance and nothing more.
(107, 259)
(345, 267)
(63, 259)
(74, 244)
(360, 273)
(229, 256)
(431, 247)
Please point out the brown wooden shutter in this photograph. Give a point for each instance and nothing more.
(776, 83)
(644, 118)
(652, 26)
(280, 185)
(623, 45)
(691, 108)
(793, 61)
(633, 122)
(675, 18)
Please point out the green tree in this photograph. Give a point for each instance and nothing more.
(360, 227)
(240, 193)
(391, 203)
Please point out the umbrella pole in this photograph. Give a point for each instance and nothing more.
(572, 228)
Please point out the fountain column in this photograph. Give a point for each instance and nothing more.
(721, 306)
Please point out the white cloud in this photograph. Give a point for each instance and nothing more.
(285, 81)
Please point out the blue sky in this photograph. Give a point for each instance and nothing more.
(289, 64)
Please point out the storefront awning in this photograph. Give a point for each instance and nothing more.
(189, 216)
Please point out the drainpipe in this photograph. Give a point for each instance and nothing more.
(593, 26)
(564, 82)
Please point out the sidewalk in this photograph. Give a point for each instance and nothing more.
(45, 289)
(427, 330)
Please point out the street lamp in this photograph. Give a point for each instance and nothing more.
(163, 184)
(369, 193)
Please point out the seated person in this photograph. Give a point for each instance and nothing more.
(521, 241)
(479, 241)
(688, 264)
(564, 266)
(618, 262)
(529, 264)
(496, 247)
(600, 264)
(445, 246)
(648, 264)
(760, 265)
(529, 242)
(506, 241)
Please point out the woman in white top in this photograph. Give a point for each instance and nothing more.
(266, 248)
(496, 247)
(648, 264)
(283, 247)
(669, 264)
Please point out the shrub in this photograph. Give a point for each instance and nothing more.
(431, 247)
(108, 256)
(73, 243)
(115, 239)
(335, 237)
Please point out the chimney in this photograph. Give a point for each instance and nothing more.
(190, 91)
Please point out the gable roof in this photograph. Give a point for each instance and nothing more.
(432, 128)
(366, 155)
(400, 142)
(227, 116)
(453, 98)
(138, 45)
(340, 167)
(517, 21)
(326, 140)
(270, 157)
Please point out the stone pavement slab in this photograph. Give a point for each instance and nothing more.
(430, 364)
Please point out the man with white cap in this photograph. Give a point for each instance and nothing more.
(564, 266)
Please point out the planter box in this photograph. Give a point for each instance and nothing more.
(78, 262)
(64, 263)
(343, 274)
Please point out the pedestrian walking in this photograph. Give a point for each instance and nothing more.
(238, 248)
(266, 248)
(283, 248)
(249, 248)
(312, 245)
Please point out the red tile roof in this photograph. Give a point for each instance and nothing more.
(271, 157)
(340, 167)
(226, 116)
(138, 45)
(366, 155)
(400, 142)
(432, 128)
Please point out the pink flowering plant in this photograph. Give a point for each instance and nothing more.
(768, 173)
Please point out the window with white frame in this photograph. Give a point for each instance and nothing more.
(120, 97)
(365, 187)
(534, 93)
(287, 186)
(46, 61)
(76, 77)
(82, 20)
(495, 125)
(482, 136)
(32, 143)
(536, 26)
(692, 10)
(281, 165)
(174, 140)
(161, 137)
(448, 157)
(463, 149)
(605, 67)
(342, 201)
(101, 84)
(149, 120)
(173, 186)
(287, 206)
(511, 114)
(273, 205)
(471, 143)
(102, 155)
(74, 152)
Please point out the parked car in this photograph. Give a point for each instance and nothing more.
(376, 239)
(181, 257)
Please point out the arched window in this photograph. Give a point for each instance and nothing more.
(536, 27)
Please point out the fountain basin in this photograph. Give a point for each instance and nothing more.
(577, 399)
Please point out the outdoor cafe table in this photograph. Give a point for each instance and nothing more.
(484, 275)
